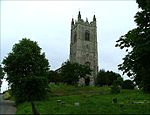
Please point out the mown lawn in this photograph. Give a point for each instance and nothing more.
(65, 99)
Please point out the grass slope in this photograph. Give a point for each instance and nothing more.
(89, 100)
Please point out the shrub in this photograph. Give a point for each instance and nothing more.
(107, 78)
(115, 89)
(128, 84)
(6, 95)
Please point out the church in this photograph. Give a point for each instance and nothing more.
(83, 45)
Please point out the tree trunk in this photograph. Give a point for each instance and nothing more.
(34, 110)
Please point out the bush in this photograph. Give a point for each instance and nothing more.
(54, 77)
(128, 84)
(107, 78)
(115, 89)
(6, 95)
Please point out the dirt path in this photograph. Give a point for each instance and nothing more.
(7, 107)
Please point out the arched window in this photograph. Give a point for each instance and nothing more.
(75, 37)
(87, 35)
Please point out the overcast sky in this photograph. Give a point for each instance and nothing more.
(49, 23)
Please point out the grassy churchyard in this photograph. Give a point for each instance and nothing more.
(65, 99)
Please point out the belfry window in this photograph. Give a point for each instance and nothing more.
(87, 35)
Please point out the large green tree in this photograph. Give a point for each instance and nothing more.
(136, 64)
(128, 84)
(26, 69)
(71, 72)
(1, 75)
(1, 72)
(107, 77)
(54, 76)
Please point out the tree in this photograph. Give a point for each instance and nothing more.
(26, 69)
(1, 72)
(71, 72)
(128, 84)
(53, 76)
(1, 75)
(107, 77)
(136, 63)
(101, 78)
(118, 81)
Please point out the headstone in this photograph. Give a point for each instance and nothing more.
(81, 82)
(58, 101)
(76, 104)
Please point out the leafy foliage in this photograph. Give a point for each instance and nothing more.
(26, 70)
(71, 72)
(128, 84)
(107, 77)
(54, 76)
(1, 75)
(1, 72)
(118, 81)
(136, 63)
(6, 95)
(115, 89)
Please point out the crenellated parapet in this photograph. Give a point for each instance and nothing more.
(74, 23)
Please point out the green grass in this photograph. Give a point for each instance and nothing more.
(92, 100)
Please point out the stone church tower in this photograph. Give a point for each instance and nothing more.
(83, 46)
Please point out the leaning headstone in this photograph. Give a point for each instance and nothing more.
(81, 82)
(76, 104)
